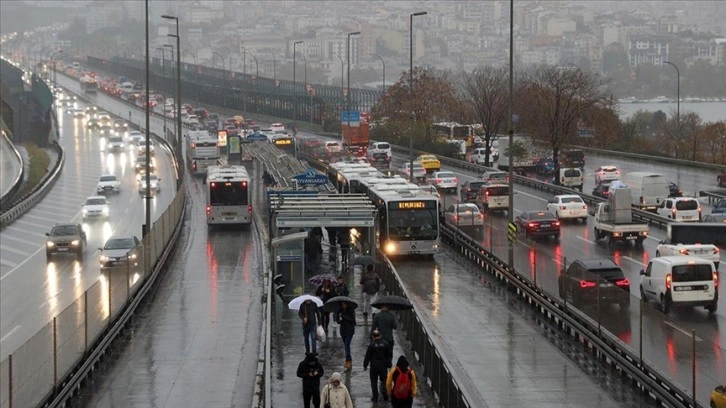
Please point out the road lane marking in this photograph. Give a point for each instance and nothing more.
(42, 248)
(673, 325)
(585, 239)
(10, 333)
(633, 260)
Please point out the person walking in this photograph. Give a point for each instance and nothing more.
(385, 322)
(370, 283)
(325, 292)
(379, 355)
(401, 384)
(341, 289)
(346, 319)
(335, 394)
(309, 314)
(313, 249)
(310, 370)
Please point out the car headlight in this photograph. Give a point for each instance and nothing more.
(50, 244)
(390, 248)
(85, 211)
(103, 258)
(105, 210)
(75, 242)
(133, 256)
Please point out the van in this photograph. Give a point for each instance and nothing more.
(680, 209)
(648, 190)
(572, 177)
(380, 147)
(493, 197)
(478, 156)
(572, 158)
(676, 281)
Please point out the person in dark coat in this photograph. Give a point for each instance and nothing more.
(385, 322)
(313, 250)
(341, 289)
(379, 355)
(310, 370)
(325, 292)
(346, 318)
(309, 314)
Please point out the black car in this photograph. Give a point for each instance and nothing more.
(538, 224)
(545, 166)
(584, 280)
(601, 190)
(470, 190)
(673, 190)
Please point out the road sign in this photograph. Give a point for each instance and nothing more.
(350, 116)
(310, 178)
(585, 133)
(512, 229)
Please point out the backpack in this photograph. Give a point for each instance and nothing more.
(402, 387)
(371, 285)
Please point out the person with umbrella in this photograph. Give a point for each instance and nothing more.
(310, 370)
(385, 322)
(379, 355)
(309, 314)
(346, 319)
(325, 292)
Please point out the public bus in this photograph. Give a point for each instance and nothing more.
(228, 195)
(286, 143)
(453, 130)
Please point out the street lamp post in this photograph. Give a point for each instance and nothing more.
(384, 70)
(510, 209)
(178, 94)
(174, 71)
(274, 67)
(347, 95)
(410, 90)
(196, 74)
(294, 76)
(342, 99)
(163, 79)
(224, 63)
(678, 107)
(305, 85)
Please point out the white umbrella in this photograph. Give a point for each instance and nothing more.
(295, 303)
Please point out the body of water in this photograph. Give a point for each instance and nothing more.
(709, 111)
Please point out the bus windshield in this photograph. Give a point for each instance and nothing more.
(228, 193)
(410, 225)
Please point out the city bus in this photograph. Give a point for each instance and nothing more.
(408, 221)
(286, 143)
(228, 195)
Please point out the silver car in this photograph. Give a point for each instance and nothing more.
(121, 252)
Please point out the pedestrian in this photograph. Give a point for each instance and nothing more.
(401, 384)
(370, 283)
(310, 370)
(325, 292)
(335, 394)
(346, 318)
(341, 289)
(309, 314)
(313, 249)
(379, 355)
(343, 236)
(385, 322)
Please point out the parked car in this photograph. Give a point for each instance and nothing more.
(592, 281)
(121, 251)
(95, 207)
(469, 190)
(568, 206)
(606, 173)
(537, 224)
(65, 239)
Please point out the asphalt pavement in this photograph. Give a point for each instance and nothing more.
(9, 166)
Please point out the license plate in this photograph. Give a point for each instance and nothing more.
(229, 213)
(544, 225)
(687, 217)
(414, 252)
(683, 288)
(62, 249)
(631, 237)
(606, 285)
(229, 218)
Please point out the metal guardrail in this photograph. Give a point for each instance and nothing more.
(713, 198)
(653, 159)
(29, 200)
(18, 182)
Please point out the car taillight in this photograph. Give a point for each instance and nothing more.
(584, 207)
(668, 281)
(641, 200)
(716, 251)
(456, 180)
(532, 224)
(209, 210)
(456, 218)
(673, 211)
(438, 181)
(587, 284)
(556, 223)
(683, 251)
(194, 165)
(249, 209)
(623, 282)
(481, 216)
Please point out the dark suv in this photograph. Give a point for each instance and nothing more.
(586, 279)
(65, 239)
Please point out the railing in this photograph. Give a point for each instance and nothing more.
(18, 182)
(713, 198)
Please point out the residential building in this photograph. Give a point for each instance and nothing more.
(648, 48)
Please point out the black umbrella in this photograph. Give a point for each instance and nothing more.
(364, 260)
(393, 302)
(333, 304)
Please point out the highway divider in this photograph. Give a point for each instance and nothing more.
(6, 199)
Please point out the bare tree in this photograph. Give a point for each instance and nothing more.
(486, 91)
(551, 101)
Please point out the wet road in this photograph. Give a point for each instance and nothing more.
(32, 290)
(9, 166)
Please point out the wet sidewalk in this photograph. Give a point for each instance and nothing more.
(288, 349)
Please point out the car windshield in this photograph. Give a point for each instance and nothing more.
(447, 174)
(541, 216)
(685, 205)
(491, 176)
(609, 170)
(96, 201)
(497, 191)
(62, 230)
(428, 157)
(572, 173)
(567, 200)
(119, 243)
(108, 178)
(476, 184)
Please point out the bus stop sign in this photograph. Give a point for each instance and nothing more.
(310, 178)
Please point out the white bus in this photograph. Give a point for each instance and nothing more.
(228, 195)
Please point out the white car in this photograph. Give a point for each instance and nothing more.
(568, 206)
(115, 144)
(444, 180)
(104, 118)
(141, 148)
(680, 209)
(108, 183)
(706, 251)
(95, 207)
(136, 137)
(380, 147)
(418, 171)
(153, 184)
(463, 215)
(190, 120)
(277, 127)
(606, 173)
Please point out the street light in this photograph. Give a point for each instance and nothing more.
(178, 92)
(274, 66)
(347, 95)
(678, 107)
(384, 70)
(305, 86)
(342, 99)
(174, 70)
(163, 79)
(410, 90)
(294, 77)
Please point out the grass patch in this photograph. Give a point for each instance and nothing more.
(39, 161)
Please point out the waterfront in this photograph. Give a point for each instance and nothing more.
(709, 111)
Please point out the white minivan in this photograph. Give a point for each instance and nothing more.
(680, 209)
(572, 177)
(648, 190)
(675, 281)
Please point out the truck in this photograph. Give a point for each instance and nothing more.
(202, 151)
(525, 156)
(648, 189)
(356, 136)
(614, 219)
